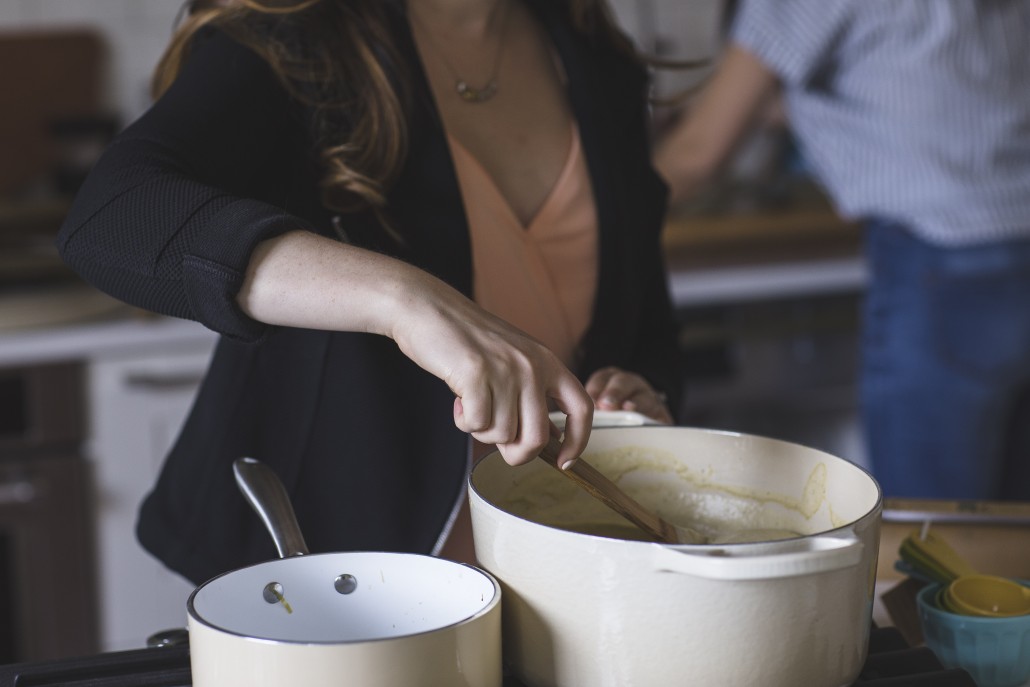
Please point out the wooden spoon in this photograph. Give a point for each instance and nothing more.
(606, 491)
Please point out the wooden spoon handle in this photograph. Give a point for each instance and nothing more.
(606, 491)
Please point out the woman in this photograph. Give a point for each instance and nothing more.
(335, 187)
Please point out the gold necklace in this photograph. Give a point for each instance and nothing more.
(466, 91)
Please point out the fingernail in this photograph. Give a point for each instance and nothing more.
(568, 464)
(629, 405)
(607, 401)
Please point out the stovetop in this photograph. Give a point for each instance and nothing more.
(891, 663)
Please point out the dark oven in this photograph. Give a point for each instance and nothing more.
(47, 577)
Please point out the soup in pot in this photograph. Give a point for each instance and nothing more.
(724, 513)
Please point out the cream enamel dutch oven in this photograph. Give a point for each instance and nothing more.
(362, 618)
(589, 611)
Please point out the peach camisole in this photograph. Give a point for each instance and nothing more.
(541, 278)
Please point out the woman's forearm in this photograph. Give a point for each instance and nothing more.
(301, 279)
(503, 380)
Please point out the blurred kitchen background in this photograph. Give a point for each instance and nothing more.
(765, 277)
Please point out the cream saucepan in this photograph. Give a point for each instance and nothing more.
(362, 618)
(583, 610)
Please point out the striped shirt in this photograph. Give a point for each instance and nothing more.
(913, 110)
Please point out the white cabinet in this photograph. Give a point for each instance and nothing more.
(138, 400)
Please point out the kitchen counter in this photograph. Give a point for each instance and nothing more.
(105, 338)
(803, 249)
(713, 259)
(696, 286)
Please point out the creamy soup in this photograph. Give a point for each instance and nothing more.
(723, 513)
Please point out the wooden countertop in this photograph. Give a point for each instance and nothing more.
(807, 232)
(747, 244)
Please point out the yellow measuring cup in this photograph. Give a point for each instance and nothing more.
(966, 591)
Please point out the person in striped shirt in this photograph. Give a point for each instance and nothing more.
(915, 117)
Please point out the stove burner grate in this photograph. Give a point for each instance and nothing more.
(891, 663)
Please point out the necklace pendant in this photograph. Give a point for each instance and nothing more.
(471, 94)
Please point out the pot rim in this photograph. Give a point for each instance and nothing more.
(487, 609)
(877, 506)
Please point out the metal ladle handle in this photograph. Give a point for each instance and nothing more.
(267, 495)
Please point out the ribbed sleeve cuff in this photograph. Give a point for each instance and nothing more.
(214, 270)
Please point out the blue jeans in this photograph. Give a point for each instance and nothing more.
(946, 367)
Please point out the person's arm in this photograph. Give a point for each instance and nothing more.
(707, 135)
(502, 379)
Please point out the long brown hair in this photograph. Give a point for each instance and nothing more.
(347, 69)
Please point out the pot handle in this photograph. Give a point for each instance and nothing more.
(267, 496)
(767, 560)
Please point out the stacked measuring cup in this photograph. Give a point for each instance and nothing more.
(974, 621)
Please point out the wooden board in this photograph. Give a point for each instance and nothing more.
(44, 76)
(759, 236)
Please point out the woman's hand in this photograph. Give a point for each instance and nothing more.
(615, 389)
(502, 378)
